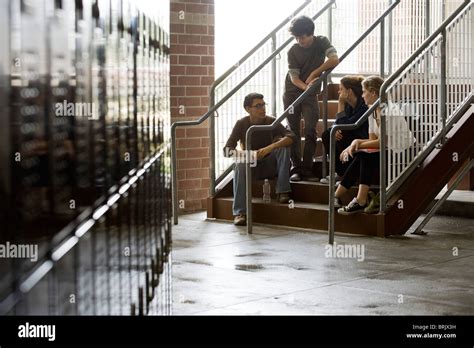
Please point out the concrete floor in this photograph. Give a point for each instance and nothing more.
(219, 270)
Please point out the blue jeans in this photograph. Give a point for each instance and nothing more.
(277, 163)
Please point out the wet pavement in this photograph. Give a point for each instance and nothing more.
(220, 270)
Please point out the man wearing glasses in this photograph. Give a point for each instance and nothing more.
(306, 62)
(270, 148)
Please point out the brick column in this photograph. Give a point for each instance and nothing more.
(192, 74)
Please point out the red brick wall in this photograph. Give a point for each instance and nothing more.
(192, 74)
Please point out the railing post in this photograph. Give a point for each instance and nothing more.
(332, 194)
(390, 40)
(427, 19)
(442, 82)
(274, 78)
(427, 34)
(383, 152)
(248, 180)
(330, 23)
(325, 122)
(382, 48)
(174, 174)
(212, 147)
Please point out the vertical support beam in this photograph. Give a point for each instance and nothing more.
(274, 78)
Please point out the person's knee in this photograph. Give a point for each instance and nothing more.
(283, 151)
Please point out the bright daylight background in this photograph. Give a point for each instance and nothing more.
(240, 25)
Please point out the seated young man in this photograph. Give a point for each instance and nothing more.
(351, 107)
(272, 149)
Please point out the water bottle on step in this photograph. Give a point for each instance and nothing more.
(266, 192)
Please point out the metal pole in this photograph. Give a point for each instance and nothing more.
(383, 154)
(174, 174)
(427, 19)
(212, 147)
(248, 180)
(382, 48)
(325, 123)
(390, 40)
(330, 23)
(427, 34)
(274, 79)
(332, 194)
(442, 81)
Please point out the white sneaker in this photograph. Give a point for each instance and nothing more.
(326, 180)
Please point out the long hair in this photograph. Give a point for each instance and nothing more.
(373, 83)
(354, 83)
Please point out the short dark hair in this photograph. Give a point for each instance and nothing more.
(250, 97)
(302, 25)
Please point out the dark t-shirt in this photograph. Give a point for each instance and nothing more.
(260, 139)
(305, 60)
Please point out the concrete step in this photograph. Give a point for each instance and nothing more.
(302, 215)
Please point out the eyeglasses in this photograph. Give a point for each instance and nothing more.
(259, 106)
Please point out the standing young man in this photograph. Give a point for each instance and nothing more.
(306, 62)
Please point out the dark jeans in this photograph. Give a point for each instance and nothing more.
(363, 168)
(341, 145)
(309, 110)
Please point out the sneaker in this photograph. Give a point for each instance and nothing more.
(337, 202)
(240, 220)
(374, 205)
(352, 208)
(283, 197)
(326, 180)
(295, 177)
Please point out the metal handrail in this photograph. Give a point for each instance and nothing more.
(332, 161)
(383, 99)
(257, 46)
(210, 113)
(321, 79)
(384, 195)
(212, 145)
